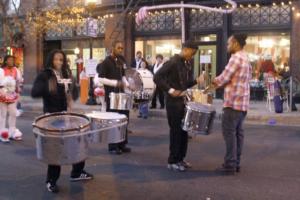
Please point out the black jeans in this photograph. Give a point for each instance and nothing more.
(158, 92)
(54, 171)
(114, 146)
(178, 137)
(233, 133)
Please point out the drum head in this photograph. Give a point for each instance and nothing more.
(106, 115)
(200, 107)
(134, 79)
(57, 123)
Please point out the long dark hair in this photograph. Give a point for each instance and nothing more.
(65, 68)
(4, 64)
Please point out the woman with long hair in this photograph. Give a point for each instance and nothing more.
(57, 97)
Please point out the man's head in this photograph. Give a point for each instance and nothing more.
(117, 48)
(236, 43)
(159, 58)
(189, 49)
(139, 55)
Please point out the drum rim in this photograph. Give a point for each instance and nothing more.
(211, 108)
(61, 130)
(124, 117)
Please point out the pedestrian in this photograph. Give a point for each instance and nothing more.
(175, 77)
(235, 78)
(136, 64)
(143, 106)
(112, 76)
(10, 80)
(49, 85)
(158, 91)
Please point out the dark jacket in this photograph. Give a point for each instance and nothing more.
(112, 68)
(52, 102)
(176, 73)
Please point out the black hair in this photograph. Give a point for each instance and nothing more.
(5, 60)
(241, 39)
(65, 68)
(159, 56)
(114, 44)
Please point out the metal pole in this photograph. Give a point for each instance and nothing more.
(182, 24)
(291, 92)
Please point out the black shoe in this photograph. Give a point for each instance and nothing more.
(52, 187)
(126, 149)
(226, 170)
(162, 107)
(115, 151)
(153, 107)
(83, 176)
(238, 169)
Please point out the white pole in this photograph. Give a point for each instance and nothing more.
(182, 23)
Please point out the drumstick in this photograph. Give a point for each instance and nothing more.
(210, 88)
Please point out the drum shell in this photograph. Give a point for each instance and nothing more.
(62, 150)
(120, 101)
(197, 122)
(111, 135)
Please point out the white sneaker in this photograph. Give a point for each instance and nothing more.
(177, 167)
(19, 112)
(16, 135)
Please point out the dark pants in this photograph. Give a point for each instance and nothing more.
(54, 171)
(233, 133)
(178, 137)
(114, 146)
(158, 92)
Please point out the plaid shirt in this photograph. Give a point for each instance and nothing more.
(235, 78)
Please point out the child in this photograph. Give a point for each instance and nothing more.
(10, 79)
(51, 85)
(143, 106)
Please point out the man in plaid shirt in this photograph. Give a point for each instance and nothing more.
(235, 78)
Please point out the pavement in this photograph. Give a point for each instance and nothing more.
(270, 167)
(258, 112)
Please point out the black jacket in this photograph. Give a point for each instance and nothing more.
(112, 68)
(52, 102)
(176, 73)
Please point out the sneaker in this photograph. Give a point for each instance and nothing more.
(19, 112)
(186, 164)
(83, 176)
(126, 150)
(52, 187)
(226, 170)
(177, 167)
(115, 151)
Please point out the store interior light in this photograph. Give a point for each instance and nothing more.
(76, 50)
(284, 42)
(206, 39)
(266, 43)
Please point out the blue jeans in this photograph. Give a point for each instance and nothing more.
(143, 109)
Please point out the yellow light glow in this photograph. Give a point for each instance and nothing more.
(266, 43)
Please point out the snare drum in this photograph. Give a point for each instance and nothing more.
(120, 101)
(61, 138)
(199, 118)
(116, 122)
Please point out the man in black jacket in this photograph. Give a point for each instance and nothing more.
(112, 76)
(175, 77)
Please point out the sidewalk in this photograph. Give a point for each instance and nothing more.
(258, 113)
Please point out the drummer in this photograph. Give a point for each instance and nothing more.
(235, 78)
(112, 76)
(57, 88)
(174, 78)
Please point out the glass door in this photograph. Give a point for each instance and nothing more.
(206, 62)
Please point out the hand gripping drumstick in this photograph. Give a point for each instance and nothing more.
(143, 12)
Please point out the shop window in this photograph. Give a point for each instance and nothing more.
(151, 48)
(269, 47)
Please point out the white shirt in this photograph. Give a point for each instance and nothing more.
(138, 62)
(157, 67)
